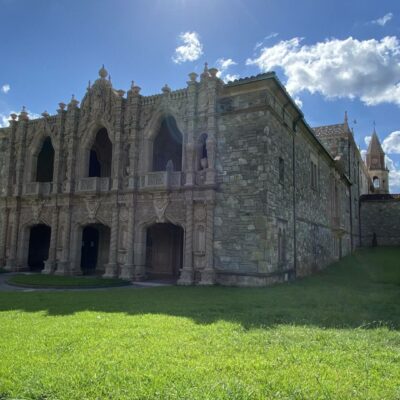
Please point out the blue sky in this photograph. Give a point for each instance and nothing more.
(334, 56)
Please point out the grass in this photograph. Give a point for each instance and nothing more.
(331, 336)
(52, 281)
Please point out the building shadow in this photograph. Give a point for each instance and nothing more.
(347, 295)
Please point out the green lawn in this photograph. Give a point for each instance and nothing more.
(332, 336)
(52, 281)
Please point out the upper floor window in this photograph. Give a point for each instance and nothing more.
(314, 175)
(100, 159)
(376, 181)
(45, 162)
(281, 170)
(167, 147)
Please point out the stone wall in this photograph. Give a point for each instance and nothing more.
(380, 214)
(260, 209)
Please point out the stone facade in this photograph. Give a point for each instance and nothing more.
(380, 215)
(214, 183)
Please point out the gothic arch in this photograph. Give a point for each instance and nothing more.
(151, 132)
(25, 231)
(87, 142)
(34, 151)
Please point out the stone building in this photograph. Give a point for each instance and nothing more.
(213, 183)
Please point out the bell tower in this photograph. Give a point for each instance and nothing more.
(376, 165)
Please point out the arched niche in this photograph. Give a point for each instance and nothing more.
(201, 152)
(167, 146)
(42, 162)
(376, 182)
(99, 156)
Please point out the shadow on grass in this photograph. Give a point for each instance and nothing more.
(361, 291)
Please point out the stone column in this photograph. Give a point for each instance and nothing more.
(140, 253)
(22, 128)
(50, 264)
(9, 165)
(212, 126)
(64, 266)
(57, 178)
(190, 146)
(208, 273)
(127, 270)
(187, 272)
(71, 125)
(112, 266)
(11, 264)
(3, 236)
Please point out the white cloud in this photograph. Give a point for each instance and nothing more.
(231, 77)
(367, 139)
(298, 101)
(383, 20)
(5, 118)
(270, 36)
(394, 175)
(5, 88)
(190, 50)
(223, 64)
(391, 143)
(349, 68)
(363, 154)
(4, 121)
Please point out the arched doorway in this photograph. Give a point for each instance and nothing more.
(95, 248)
(100, 157)
(45, 162)
(164, 251)
(39, 244)
(167, 146)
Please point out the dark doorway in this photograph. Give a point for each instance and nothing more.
(90, 248)
(101, 155)
(45, 162)
(39, 244)
(164, 251)
(167, 146)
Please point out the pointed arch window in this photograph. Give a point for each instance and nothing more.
(45, 162)
(167, 147)
(100, 157)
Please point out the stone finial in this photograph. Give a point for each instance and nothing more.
(193, 76)
(132, 84)
(45, 114)
(205, 73)
(62, 106)
(346, 119)
(23, 115)
(73, 102)
(103, 72)
(136, 90)
(166, 89)
(89, 85)
(13, 117)
(213, 72)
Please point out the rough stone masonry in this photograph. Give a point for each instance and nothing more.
(213, 183)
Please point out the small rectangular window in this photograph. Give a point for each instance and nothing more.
(314, 175)
(281, 170)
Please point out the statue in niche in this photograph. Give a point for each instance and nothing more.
(170, 166)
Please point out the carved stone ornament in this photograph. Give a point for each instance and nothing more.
(160, 205)
(37, 210)
(92, 206)
(199, 213)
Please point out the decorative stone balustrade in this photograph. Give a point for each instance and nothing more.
(161, 180)
(37, 188)
(94, 185)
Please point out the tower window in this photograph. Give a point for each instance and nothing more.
(281, 170)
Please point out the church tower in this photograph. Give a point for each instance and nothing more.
(376, 165)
